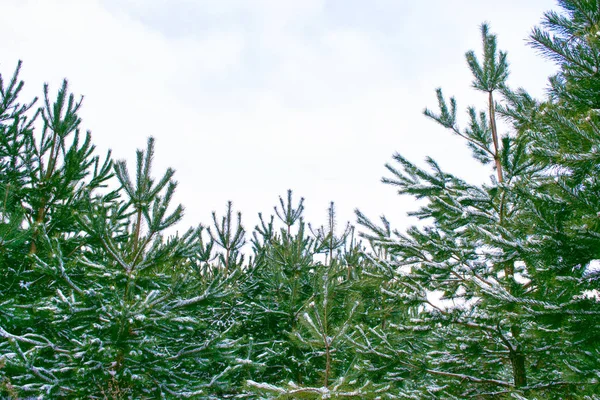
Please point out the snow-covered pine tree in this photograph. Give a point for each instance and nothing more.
(45, 178)
(276, 285)
(508, 258)
(164, 316)
(564, 231)
(95, 300)
(313, 307)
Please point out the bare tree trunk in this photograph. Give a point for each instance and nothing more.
(494, 129)
(517, 359)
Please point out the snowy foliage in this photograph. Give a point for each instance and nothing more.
(510, 258)
(495, 295)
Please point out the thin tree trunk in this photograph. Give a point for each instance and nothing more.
(136, 236)
(517, 359)
(327, 363)
(494, 129)
(41, 212)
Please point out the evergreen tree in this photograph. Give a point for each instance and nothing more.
(95, 300)
(277, 284)
(513, 314)
(313, 307)
(45, 179)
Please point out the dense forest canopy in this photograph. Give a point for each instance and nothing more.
(493, 295)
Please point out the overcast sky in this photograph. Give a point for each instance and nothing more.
(247, 98)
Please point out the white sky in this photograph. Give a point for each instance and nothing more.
(247, 98)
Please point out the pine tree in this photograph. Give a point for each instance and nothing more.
(511, 274)
(565, 136)
(45, 179)
(308, 309)
(95, 300)
(277, 283)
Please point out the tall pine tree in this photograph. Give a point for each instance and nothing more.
(510, 259)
